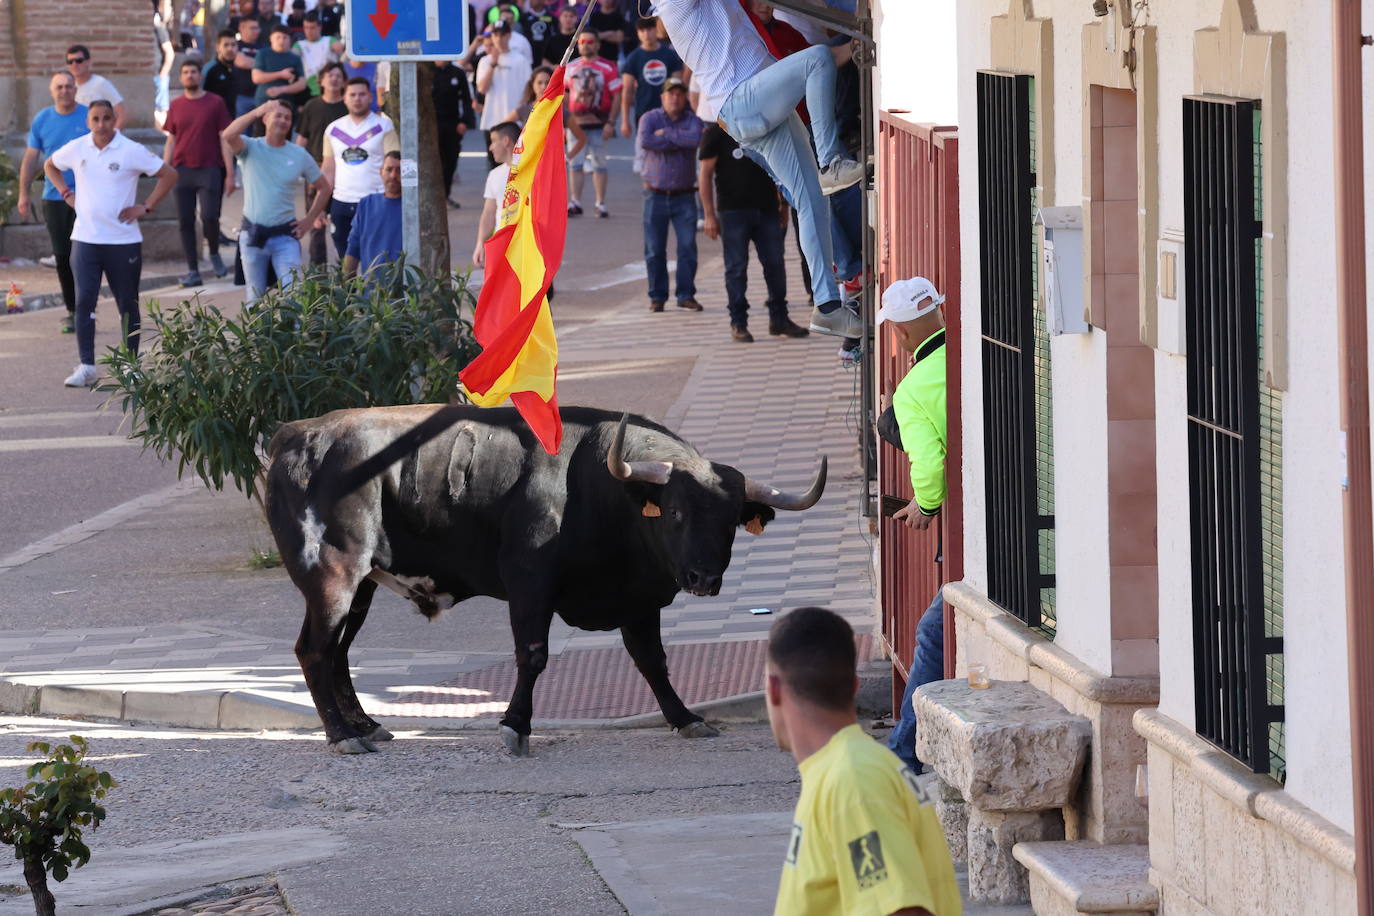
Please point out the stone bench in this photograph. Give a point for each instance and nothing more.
(1074, 879)
(1009, 758)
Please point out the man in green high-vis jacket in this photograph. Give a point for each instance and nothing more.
(911, 308)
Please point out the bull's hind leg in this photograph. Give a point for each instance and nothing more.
(645, 645)
(326, 610)
(349, 707)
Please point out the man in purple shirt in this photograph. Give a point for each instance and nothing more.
(669, 137)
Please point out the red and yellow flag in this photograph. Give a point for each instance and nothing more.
(519, 358)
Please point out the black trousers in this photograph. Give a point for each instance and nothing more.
(450, 146)
(737, 229)
(60, 219)
(318, 254)
(122, 267)
(207, 186)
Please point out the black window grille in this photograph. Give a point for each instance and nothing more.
(1231, 645)
(1016, 427)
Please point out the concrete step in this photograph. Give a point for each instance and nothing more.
(1072, 878)
(161, 238)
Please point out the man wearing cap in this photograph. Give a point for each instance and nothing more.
(670, 136)
(911, 308)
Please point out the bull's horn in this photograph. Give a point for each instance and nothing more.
(780, 499)
(646, 471)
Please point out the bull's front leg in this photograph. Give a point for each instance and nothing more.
(644, 642)
(529, 622)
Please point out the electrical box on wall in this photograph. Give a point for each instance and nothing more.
(1169, 293)
(1063, 269)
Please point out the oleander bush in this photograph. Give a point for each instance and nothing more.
(210, 389)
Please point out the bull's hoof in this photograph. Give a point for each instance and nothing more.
(352, 746)
(516, 743)
(379, 734)
(698, 729)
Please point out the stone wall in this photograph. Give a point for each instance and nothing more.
(1228, 842)
(34, 38)
(1105, 808)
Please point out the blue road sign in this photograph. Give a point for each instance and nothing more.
(407, 29)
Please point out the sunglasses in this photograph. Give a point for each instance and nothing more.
(77, 60)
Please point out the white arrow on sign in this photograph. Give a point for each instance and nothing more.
(431, 20)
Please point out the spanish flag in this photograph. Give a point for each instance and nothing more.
(519, 358)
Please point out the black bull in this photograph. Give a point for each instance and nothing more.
(446, 503)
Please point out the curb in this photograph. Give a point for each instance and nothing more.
(241, 710)
(246, 710)
(35, 302)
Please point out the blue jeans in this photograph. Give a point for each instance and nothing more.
(846, 230)
(341, 217)
(282, 252)
(122, 267)
(927, 665)
(737, 229)
(761, 114)
(660, 209)
(242, 105)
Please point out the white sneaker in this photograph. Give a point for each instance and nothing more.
(83, 376)
(49, 261)
(840, 174)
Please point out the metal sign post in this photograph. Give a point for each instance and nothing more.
(406, 31)
(410, 164)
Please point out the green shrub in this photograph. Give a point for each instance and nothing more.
(210, 390)
(43, 819)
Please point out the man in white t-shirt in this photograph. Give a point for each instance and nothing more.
(501, 77)
(352, 154)
(754, 97)
(106, 238)
(503, 136)
(91, 87)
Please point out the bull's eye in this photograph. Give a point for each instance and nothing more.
(677, 515)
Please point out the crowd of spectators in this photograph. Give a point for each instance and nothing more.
(283, 69)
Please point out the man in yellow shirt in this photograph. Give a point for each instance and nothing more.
(864, 842)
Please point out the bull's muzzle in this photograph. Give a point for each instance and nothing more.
(702, 584)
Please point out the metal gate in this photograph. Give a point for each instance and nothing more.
(918, 230)
(1006, 182)
(1224, 434)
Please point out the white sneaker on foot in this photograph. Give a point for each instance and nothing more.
(49, 261)
(83, 376)
(840, 174)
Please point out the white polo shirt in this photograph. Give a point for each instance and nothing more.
(106, 183)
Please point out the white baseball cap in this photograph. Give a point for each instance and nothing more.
(907, 300)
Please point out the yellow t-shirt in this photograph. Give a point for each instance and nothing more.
(863, 844)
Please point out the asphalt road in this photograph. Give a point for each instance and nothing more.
(63, 458)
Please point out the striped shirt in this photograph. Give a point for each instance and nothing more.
(718, 41)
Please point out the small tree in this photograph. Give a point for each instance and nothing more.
(211, 389)
(43, 819)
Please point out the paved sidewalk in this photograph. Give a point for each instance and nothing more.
(770, 408)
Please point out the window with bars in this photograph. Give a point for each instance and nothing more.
(1234, 439)
(1017, 418)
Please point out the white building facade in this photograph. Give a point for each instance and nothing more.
(1152, 460)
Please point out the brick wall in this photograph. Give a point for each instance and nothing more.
(34, 37)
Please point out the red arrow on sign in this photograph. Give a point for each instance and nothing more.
(383, 19)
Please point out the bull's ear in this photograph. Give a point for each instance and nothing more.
(754, 516)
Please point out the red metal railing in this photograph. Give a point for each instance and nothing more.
(918, 232)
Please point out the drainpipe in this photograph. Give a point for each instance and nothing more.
(1352, 335)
